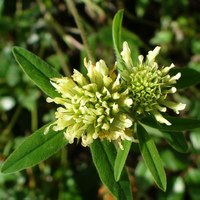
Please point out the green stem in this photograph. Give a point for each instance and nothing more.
(34, 118)
(54, 25)
(79, 24)
(65, 68)
(12, 121)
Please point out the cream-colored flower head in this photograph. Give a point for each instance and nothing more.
(149, 85)
(92, 107)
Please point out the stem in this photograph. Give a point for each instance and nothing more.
(65, 68)
(79, 24)
(12, 121)
(54, 25)
(34, 118)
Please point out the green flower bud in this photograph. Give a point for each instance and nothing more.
(149, 85)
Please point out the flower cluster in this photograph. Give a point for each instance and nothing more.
(99, 104)
(93, 106)
(149, 85)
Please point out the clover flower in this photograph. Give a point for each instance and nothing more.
(149, 85)
(92, 107)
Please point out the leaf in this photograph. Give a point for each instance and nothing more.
(116, 31)
(174, 161)
(38, 71)
(172, 192)
(134, 42)
(143, 177)
(116, 34)
(103, 154)
(121, 159)
(175, 139)
(36, 148)
(192, 181)
(188, 78)
(195, 140)
(151, 157)
(178, 124)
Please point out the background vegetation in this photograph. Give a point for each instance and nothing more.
(47, 28)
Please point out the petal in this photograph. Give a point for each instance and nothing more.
(46, 130)
(165, 70)
(160, 118)
(126, 54)
(79, 78)
(128, 102)
(90, 68)
(102, 68)
(172, 90)
(49, 100)
(107, 81)
(128, 123)
(63, 85)
(174, 78)
(116, 83)
(87, 140)
(140, 58)
(161, 109)
(176, 107)
(152, 55)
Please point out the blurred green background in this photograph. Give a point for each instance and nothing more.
(47, 28)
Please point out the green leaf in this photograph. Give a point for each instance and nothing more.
(116, 34)
(116, 31)
(178, 124)
(175, 139)
(188, 78)
(121, 159)
(172, 192)
(143, 177)
(195, 139)
(36, 148)
(151, 157)
(103, 154)
(38, 71)
(192, 180)
(174, 161)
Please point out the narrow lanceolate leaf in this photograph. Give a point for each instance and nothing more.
(34, 149)
(188, 78)
(178, 124)
(116, 31)
(175, 139)
(38, 71)
(116, 34)
(121, 159)
(103, 154)
(151, 157)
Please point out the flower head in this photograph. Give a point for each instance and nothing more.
(92, 107)
(149, 84)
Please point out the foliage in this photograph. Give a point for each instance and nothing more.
(41, 27)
